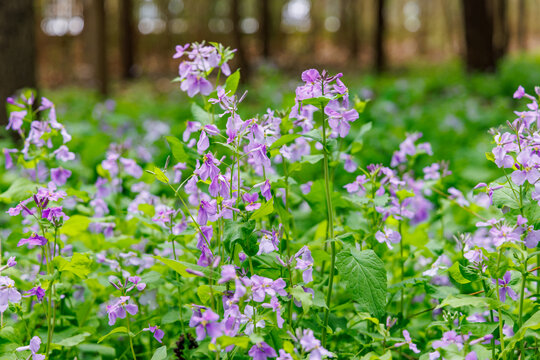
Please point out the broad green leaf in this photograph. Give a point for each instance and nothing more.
(73, 340)
(231, 84)
(505, 196)
(160, 175)
(177, 148)
(75, 225)
(20, 189)
(461, 300)
(160, 353)
(200, 115)
(240, 341)
(79, 264)
(319, 102)
(533, 323)
(265, 209)
(205, 292)
(312, 159)
(100, 349)
(242, 233)
(455, 273)
(364, 276)
(304, 297)
(117, 330)
(147, 209)
(175, 265)
(285, 139)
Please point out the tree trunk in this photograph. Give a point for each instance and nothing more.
(501, 34)
(478, 23)
(237, 38)
(521, 32)
(265, 29)
(355, 22)
(380, 29)
(127, 40)
(97, 41)
(18, 50)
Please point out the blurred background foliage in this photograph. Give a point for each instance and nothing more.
(446, 68)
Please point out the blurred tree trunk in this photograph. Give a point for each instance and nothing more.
(237, 39)
(501, 33)
(521, 32)
(478, 23)
(18, 49)
(127, 40)
(350, 16)
(97, 42)
(380, 29)
(316, 25)
(266, 26)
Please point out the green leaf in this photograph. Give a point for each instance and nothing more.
(160, 175)
(75, 225)
(460, 300)
(205, 292)
(304, 297)
(455, 273)
(200, 115)
(231, 84)
(242, 233)
(505, 196)
(240, 341)
(312, 159)
(100, 349)
(118, 330)
(175, 265)
(20, 189)
(364, 276)
(319, 102)
(533, 323)
(79, 264)
(285, 139)
(73, 340)
(177, 148)
(147, 209)
(160, 353)
(265, 209)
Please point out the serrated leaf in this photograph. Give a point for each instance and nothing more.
(242, 233)
(364, 276)
(305, 298)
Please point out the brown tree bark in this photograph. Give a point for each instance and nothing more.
(17, 50)
(354, 18)
(521, 31)
(478, 23)
(237, 39)
(501, 33)
(265, 29)
(127, 39)
(97, 43)
(380, 29)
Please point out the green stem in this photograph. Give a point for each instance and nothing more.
(402, 264)
(521, 298)
(130, 339)
(330, 227)
(180, 305)
(501, 334)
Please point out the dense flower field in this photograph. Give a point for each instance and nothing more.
(262, 237)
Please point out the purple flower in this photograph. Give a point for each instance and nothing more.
(262, 351)
(504, 288)
(63, 154)
(408, 341)
(205, 322)
(261, 286)
(37, 291)
(527, 168)
(208, 168)
(457, 196)
(16, 120)
(448, 338)
(276, 307)
(220, 186)
(8, 159)
(131, 167)
(269, 242)
(283, 355)
(8, 293)
(349, 166)
(520, 92)
(53, 214)
(471, 356)
(306, 188)
(158, 333)
(339, 118)
(119, 308)
(35, 343)
(196, 84)
(432, 172)
(357, 186)
(266, 190)
(312, 345)
(33, 240)
(304, 262)
(388, 236)
(136, 281)
(207, 210)
(60, 175)
(180, 51)
(251, 201)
